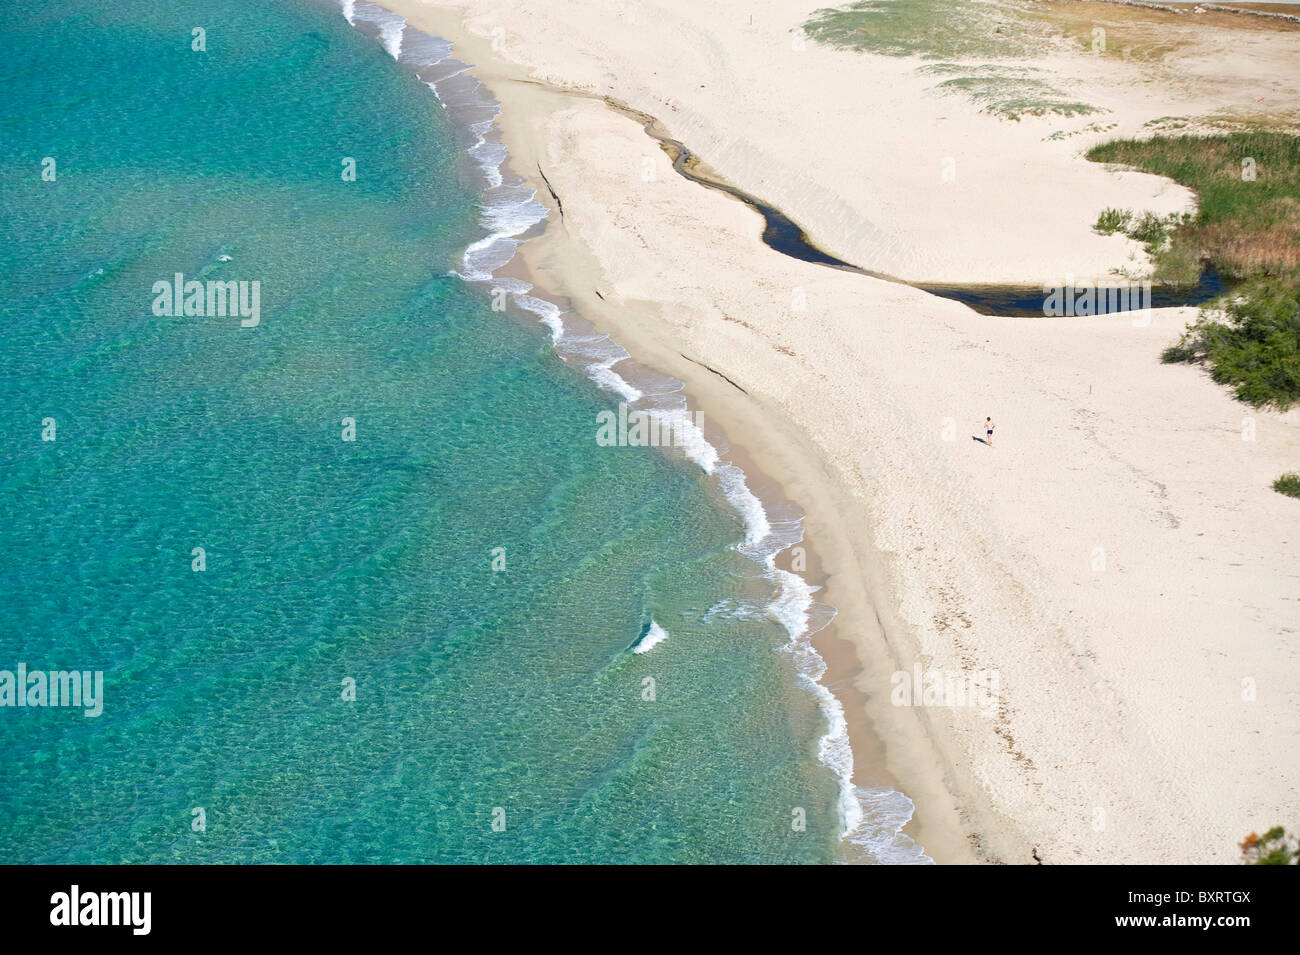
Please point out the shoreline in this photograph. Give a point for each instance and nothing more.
(1071, 562)
(824, 658)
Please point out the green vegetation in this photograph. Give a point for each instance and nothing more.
(1062, 134)
(1250, 340)
(1151, 230)
(1012, 97)
(1005, 90)
(1113, 220)
(1272, 848)
(1288, 484)
(1174, 264)
(1247, 223)
(969, 32)
(931, 29)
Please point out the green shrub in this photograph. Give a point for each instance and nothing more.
(1113, 220)
(1288, 484)
(1250, 340)
(1151, 230)
(1274, 847)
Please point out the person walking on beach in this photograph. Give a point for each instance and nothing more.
(988, 429)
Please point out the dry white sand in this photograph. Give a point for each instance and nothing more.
(1118, 559)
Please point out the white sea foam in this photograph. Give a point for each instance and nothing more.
(597, 354)
(419, 50)
(880, 830)
(731, 609)
(871, 819)
(548, 313)
(392, 36)
(653, 636)
(389, 26)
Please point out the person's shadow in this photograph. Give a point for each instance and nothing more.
(976, 437)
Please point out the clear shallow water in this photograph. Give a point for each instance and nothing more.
(477, 690)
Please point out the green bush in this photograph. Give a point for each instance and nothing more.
(1288, 484)
(1274, 847)
(1113, 220)
(1151, 230)
(1250, 340)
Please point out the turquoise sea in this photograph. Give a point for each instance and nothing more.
(412, 646)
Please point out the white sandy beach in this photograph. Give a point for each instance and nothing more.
(1118, 558)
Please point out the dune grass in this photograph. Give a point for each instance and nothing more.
(931, 29)
(970, 32)
(1008, 92)
(1114, 220)
(1246, 227)
(1175, 265)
